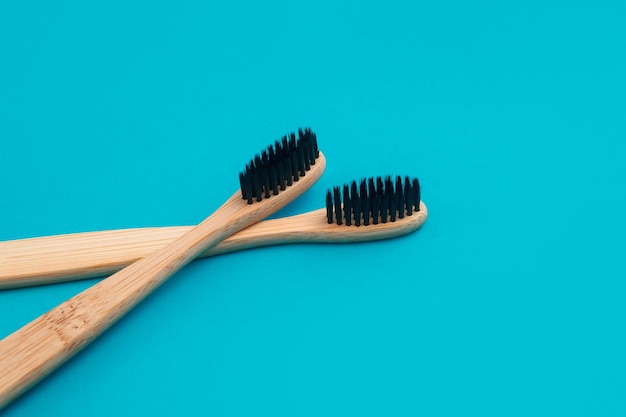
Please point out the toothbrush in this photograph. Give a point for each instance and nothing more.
(53, 259)
(269, 182)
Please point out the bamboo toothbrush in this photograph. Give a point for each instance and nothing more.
(70, 257)
(269, 182)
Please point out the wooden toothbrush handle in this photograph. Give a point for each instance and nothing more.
(52, 259)
(61, 258)
(42, 345)
(39, 347)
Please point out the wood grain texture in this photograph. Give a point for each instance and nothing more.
(84, 255)
(36, 349)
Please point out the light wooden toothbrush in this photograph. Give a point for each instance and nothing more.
(269, 182)
(62, 258)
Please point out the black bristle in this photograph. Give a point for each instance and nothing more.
(416, 194)
(347, 206)
(295, 172)
(307, 159)
(400, 193)
(265, 174)
(273, 170)
(278, 166)
(301, 165)
(338, 213)
(292, 141)
(356, 204)
(384, 205)
(248, 183)
(329, 207)
(273, 179)
(281, 174)
(288, 171)
(365, 203)
(312, 140)
(408, 194)
(242, 184)
(380, 203)
(393, 199)
(256, 186)
(308, 154)
(287, 161)
(378, 213)
(373, 200)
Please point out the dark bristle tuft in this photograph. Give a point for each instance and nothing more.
(393, 200)
(416, 194)
(400, 193)
(278, 166)
(365, 202)
(347, 206)
(329, 207)
(384, 205)
(356, 204)
(373, 201)
(408, 196)
(338, 214)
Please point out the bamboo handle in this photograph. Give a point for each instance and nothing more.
(51, 259)
(84, 255)
(42, 345)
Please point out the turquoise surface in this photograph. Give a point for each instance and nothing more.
(509, 301)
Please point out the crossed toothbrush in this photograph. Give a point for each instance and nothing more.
(142, 259)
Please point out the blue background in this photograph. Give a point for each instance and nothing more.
(509, 301)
